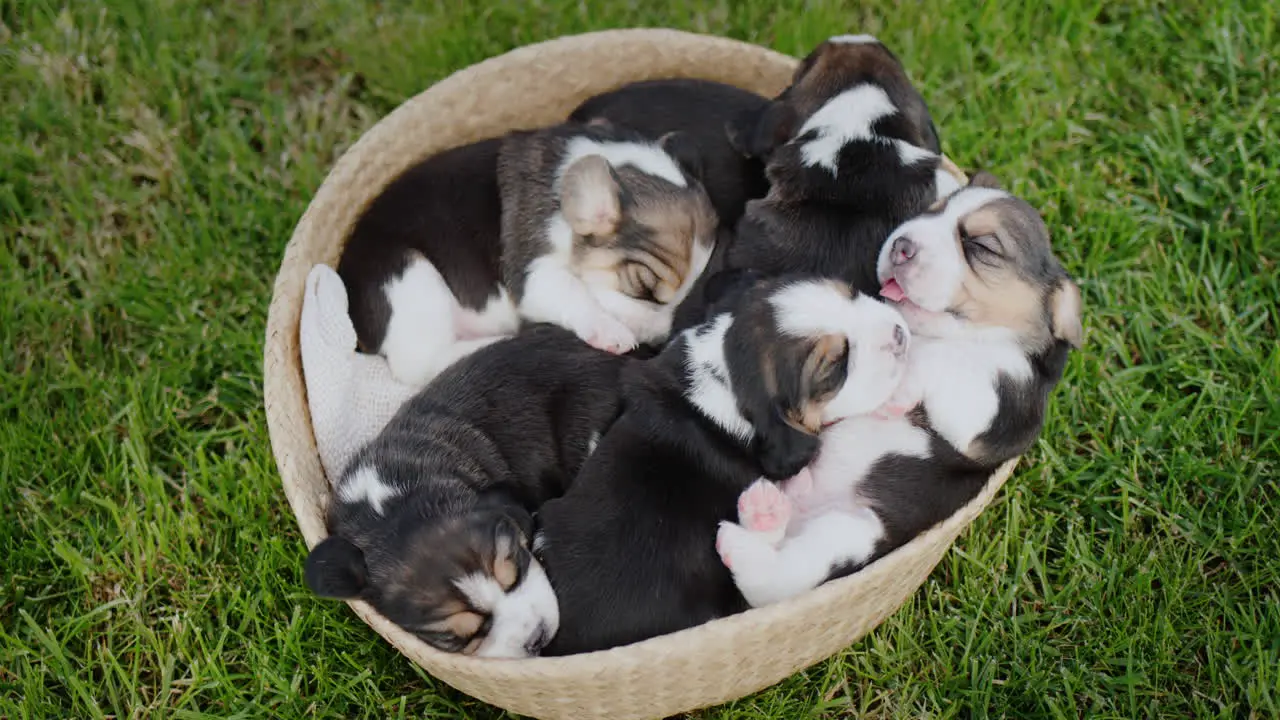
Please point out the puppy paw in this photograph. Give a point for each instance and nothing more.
(764, 509)
(744, 552)
(609, 334)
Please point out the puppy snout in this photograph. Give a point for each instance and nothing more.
(538, 640)
(903, 251)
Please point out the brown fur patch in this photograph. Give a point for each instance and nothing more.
(464, 624)
(1064, 311)
(817, 369)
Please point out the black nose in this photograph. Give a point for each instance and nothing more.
(903, 250)
(539, 640)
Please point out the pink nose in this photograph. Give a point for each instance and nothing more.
(903, 250)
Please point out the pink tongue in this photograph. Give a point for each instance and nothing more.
(892, 291)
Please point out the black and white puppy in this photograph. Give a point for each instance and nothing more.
(629, 549)
(993, 316)
(431, 522)
(592, 228)
(851, 153)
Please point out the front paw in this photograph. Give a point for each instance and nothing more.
(764, 509)
(609, 334)
(745, 553)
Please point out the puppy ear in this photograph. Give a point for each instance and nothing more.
(335, 569)
(757, 133)
(984, 179)
(589, 197)
(684, 151)
(781, 449)
(1065, 313)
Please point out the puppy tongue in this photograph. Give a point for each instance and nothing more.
(892, 291)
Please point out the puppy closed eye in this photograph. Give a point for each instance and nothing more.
(460, 632)
(639, 280)
(984, 248)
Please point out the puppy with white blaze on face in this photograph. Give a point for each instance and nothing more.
(993, 317)
(629, 548)
(432, 522)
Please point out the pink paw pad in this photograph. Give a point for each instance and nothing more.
(764, 508)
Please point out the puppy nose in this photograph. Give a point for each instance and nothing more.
(539, 640)
(903, 250)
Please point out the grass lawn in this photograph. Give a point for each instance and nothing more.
(154, 157)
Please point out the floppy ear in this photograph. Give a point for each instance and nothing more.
(757, 133)
(684, 151)
(589, 197)
(982, 178)
(335, 569)
(781, 449)
(1064, 312)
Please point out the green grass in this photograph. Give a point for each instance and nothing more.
(154, 157)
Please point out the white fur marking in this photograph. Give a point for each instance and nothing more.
(812, 309)
(650, 159)
(854, 40)
(364, 485)
(850, 116)
(518, 615)
(705, 359)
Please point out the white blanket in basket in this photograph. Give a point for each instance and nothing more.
(351, 395)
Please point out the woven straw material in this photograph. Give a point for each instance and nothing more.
(714, 663)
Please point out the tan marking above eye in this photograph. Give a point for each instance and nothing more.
(464, 624)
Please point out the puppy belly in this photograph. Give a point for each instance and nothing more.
(423, 333)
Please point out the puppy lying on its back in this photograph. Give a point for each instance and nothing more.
(592, 228)
(851, 153)
(993, 316)
(629, 549)
(430, 523)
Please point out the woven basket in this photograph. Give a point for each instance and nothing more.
(714, 663)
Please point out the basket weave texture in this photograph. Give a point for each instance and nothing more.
(720, 661)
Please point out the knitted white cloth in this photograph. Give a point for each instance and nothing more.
(351, 395)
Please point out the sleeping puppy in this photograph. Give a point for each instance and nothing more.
(593, 229)
(603, 231)
(851, 153)
(430, 523)
(629, 549)
(701, 110)
(993, 316)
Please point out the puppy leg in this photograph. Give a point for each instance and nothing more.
(767, 575)
(554, 294)
(420, 333)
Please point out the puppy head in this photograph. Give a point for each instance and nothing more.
(839, 65)
(980, 263)
(803, 353)
(465, 584)
(642, 231)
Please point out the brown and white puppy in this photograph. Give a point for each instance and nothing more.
(431, 522)
(591, 228)
(851, 152)
(993, 317)
(629, 549)
(603, 231)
